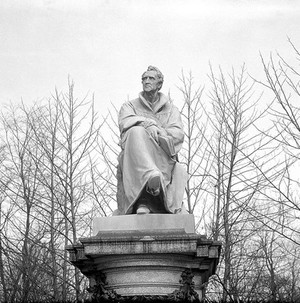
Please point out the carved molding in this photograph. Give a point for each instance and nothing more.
(186, 292)
(99, 291)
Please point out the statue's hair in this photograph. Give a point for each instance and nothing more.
(158, 73)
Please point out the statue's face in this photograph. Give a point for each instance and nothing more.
(150, 82)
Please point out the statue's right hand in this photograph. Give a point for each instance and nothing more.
(149, 122)
(153, 131)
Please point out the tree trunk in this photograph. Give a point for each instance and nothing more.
(2, 277)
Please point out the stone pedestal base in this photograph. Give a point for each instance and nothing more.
(147, 261)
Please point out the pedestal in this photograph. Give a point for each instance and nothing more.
(155, 256)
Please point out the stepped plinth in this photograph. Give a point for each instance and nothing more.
(154, 256)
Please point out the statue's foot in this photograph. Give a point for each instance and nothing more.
(143, 210)
(153, 186)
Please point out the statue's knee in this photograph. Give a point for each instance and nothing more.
(137, 131)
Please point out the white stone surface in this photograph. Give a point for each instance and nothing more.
(150, 222)
(147, 274)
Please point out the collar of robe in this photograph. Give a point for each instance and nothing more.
(162, 100)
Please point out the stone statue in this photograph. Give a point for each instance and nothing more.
(150, 179)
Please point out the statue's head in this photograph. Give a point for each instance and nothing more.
(154, 71)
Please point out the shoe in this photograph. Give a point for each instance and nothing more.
(153, 186)
(143, 210)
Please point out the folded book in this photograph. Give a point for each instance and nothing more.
(166, 143)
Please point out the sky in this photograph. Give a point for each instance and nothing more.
(105, 45)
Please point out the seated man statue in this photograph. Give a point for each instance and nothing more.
(150, 180)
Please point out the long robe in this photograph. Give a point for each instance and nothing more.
(141, 155)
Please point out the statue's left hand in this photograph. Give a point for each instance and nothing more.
(162, 132)
(153, 131)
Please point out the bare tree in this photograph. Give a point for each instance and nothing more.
(3, 216)
(46, 176)
(105, 173)
(235, 145)
(283, 81)
(70, 144)
(195, 152)
(21, 182)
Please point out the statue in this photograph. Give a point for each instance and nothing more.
(150, 178)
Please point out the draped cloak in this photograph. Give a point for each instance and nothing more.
(141, 155)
